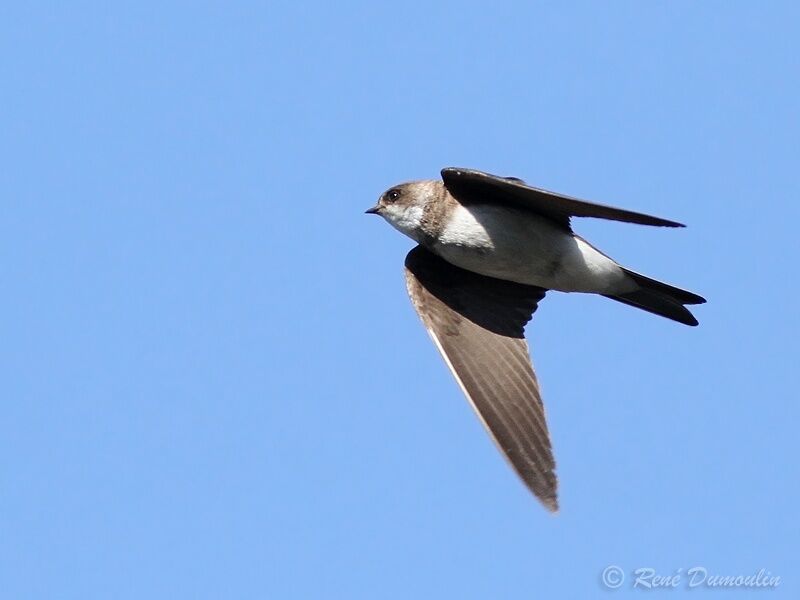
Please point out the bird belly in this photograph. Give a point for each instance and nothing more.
(519, 246)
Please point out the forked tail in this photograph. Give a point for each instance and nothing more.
(660, 299)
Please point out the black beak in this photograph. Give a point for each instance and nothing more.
(372, 211)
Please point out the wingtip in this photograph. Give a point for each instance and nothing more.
(659, 222)
(547, 495)
(551, 504)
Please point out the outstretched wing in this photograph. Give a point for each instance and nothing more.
(468, 185)
(477, 323)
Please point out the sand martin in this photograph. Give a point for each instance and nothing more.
(489, 249)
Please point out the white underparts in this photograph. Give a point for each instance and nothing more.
(520, 246)
(464, 229)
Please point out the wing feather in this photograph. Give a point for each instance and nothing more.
(469, 185)
(477, 324)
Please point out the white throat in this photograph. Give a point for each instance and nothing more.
(407, 221)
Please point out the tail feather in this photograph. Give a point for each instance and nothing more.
(673, 292)
(660, 299)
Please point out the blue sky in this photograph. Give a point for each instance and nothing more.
(213, 382)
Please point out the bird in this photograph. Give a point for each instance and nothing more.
(488, 250)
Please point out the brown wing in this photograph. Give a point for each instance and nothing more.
(468, 185)
(477, 323)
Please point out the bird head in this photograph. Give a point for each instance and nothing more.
(404, 206)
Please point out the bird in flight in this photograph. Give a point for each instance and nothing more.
(489, 248)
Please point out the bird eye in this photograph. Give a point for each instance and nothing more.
(392, 195)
